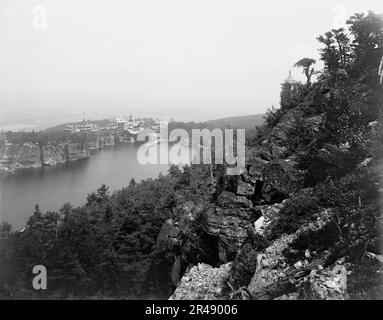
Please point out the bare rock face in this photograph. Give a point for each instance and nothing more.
(203, 282)
(7, 152)
(229, 222)
(280, 180)
(14, 156)
(53, 154)
(28, 155)
(77, 151)
(31, 155)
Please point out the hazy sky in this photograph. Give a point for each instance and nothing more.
(191, 60)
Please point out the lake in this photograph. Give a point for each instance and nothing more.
(50, 187)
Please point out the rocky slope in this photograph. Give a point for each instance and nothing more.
(251, 255)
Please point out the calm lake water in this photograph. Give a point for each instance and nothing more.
(50, 187)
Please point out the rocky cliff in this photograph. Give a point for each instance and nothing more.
(30, 155)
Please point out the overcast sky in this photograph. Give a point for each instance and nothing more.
(191, 60)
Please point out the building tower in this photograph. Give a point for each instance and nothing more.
(289, 80)
(290, 88)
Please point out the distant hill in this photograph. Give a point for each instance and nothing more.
(239, 122)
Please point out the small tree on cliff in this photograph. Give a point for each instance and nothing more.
(306, 64)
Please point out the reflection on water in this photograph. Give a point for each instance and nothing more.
(50, 187)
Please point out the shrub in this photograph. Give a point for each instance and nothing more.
(295, 210)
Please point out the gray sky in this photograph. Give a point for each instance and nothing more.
(191, 60)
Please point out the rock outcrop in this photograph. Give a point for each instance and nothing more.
(229, 222)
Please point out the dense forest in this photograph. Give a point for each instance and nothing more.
(321, 151)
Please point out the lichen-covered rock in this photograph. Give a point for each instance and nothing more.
(203, 282)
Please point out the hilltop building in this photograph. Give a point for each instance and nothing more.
(289, 80)
(83, 127)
